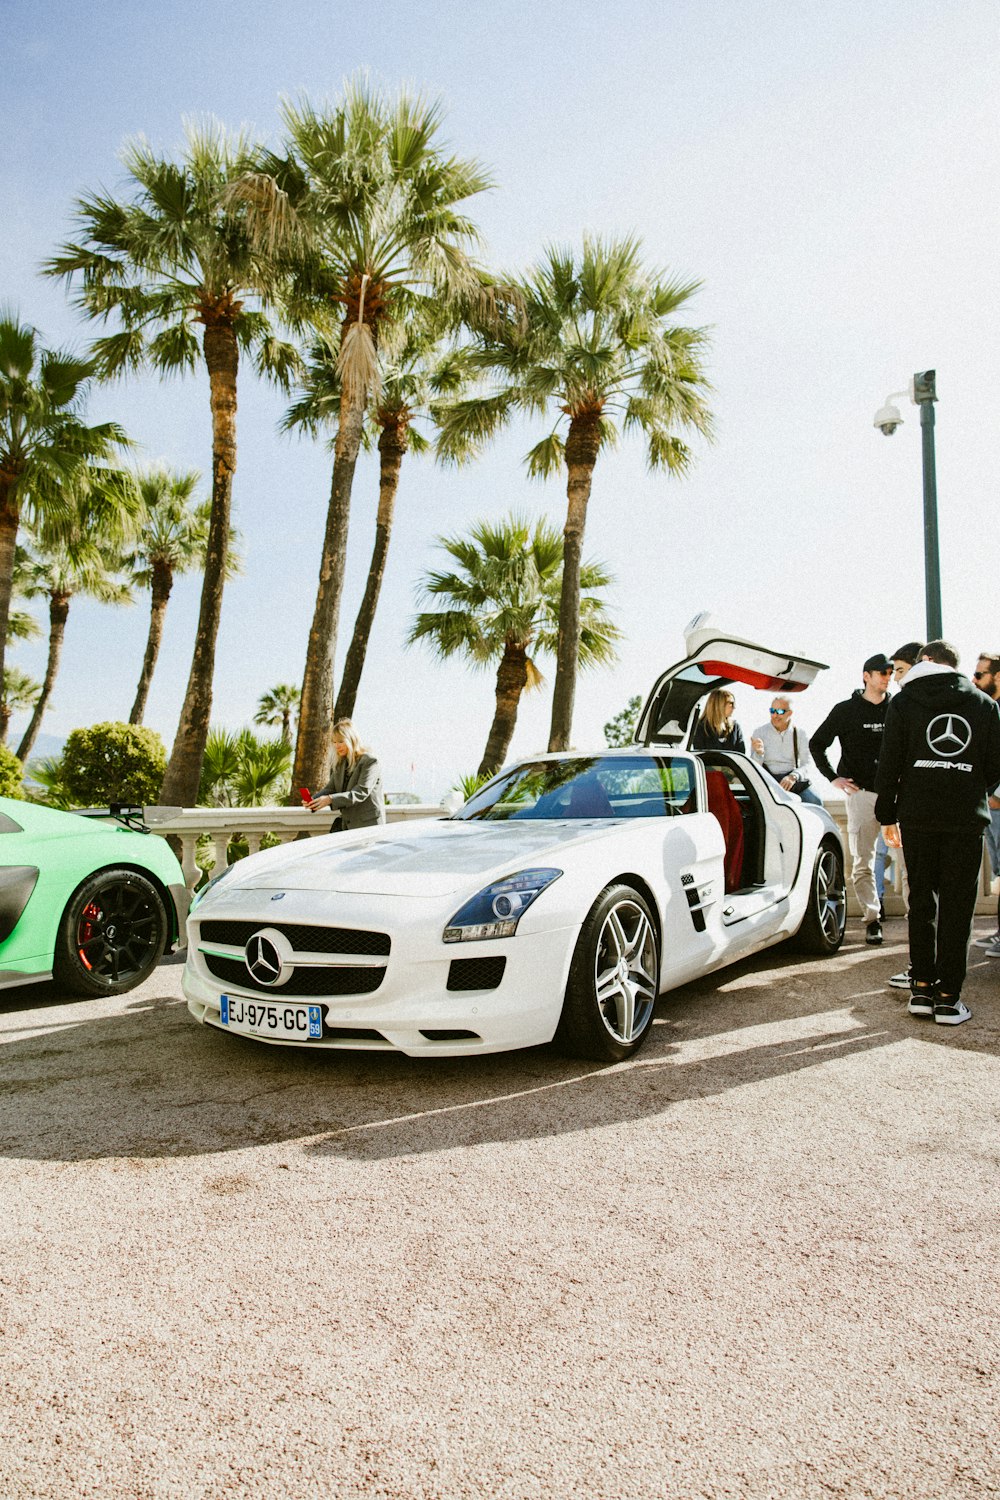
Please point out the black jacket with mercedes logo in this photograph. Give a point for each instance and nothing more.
(940, 754)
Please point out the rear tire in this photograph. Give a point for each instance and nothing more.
(822, 930)
(111, 935)
(613, 979)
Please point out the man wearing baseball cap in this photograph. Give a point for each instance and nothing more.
(857, 724)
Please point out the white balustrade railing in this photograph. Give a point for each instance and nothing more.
(223, 824)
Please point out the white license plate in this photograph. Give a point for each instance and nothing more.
(292, 1023)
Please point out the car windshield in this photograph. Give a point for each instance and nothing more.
(593, 786)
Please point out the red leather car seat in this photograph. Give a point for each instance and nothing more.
(726, 810)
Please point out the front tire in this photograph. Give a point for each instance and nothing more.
(613, 979)
(111, 935)
(822, 930)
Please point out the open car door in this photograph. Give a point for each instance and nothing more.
(715, 659)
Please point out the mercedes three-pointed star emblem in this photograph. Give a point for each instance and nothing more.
(949, 734)
(267, 957)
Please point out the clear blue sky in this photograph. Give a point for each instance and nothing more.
(830, 172)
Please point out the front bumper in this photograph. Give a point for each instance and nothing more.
(413, 998)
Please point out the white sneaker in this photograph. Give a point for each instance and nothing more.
(992, 948)
(951, 1012)
(987, 941)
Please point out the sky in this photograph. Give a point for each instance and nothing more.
(829, 173)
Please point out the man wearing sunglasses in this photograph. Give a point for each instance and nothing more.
(778, 748)
(857, 723)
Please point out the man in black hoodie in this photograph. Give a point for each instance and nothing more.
(857, 723)
(940, 759)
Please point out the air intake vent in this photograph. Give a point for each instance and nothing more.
(476, 973)
(451, 1036)
(308, 980)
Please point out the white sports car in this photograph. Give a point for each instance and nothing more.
(559, 902)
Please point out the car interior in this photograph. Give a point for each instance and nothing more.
(735, 804)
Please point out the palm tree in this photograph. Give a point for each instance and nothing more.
(368, 199)
(240, 769)
(595, 346)
(172, 541)
(276, 706)
(19, 691)
(44, 442)
(60, 570)
(502, 605)
(411, 380)
(173, 262)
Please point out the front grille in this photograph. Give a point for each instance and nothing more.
(476, 973)
(352, 1034)
(303, 937)
(307, 980)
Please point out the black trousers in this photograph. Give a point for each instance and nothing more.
(943, 869)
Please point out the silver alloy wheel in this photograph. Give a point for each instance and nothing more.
(831, 896)
(625, 979)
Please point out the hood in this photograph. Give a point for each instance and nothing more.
(935, 690)
(406, 859)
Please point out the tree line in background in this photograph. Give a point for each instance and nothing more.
(344, 266)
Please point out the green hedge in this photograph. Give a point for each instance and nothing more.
(11, 772)
(113, 763)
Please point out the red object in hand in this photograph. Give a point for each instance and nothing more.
(306, 795)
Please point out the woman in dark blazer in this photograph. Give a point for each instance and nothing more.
(354, 790)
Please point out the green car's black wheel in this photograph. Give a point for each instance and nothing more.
(613, 979)
(112, 934)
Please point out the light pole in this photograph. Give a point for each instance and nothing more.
(922, 393)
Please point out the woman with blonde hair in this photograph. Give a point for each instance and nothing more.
(354, 790)
(717, 729)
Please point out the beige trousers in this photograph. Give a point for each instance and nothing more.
(862, 836)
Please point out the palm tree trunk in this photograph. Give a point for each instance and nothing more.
(180, 785)
(5, 717)
(312, 749)
(391, 446)
(582, 444)
(9, 522)
(512, 674)
(162, 583)
(286, 725)
(58, 614)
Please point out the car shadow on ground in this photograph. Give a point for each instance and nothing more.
(147, 1082)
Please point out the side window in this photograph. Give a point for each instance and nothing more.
(652, 790)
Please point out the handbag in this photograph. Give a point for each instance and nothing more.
(800, 783)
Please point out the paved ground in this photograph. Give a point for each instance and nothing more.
(760, 1261)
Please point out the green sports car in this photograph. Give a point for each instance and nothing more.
(91, 902)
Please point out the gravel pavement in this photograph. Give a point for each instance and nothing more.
(759, 1261)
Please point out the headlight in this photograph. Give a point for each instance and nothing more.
(496, 911)
(199, 896)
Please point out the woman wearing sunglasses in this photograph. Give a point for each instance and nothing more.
(783, 752)
(717, 729)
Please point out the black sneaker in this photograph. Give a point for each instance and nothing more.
(923, 1000)
(951, 1011)
(873, 933)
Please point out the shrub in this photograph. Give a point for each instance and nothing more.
(11, 771)
(113, 763)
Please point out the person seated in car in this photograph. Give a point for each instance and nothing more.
(783, 753)
(717, 729)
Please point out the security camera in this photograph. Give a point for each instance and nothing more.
(887, 419)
